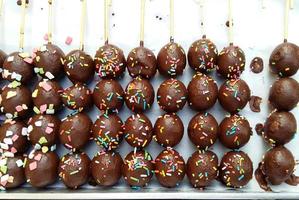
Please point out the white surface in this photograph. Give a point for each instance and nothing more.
(256, 30)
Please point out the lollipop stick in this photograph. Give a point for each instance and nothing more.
(106, 21)
(1, 6)
(286, 20)
(50, 23)
(230, 20)
(201, 6)
(142, 22)
(292, 4)
(171, 17)
(82, 24)
(22, 26)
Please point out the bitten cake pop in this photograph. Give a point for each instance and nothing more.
(106, 168)
(138, 130)
(202, 130)
(202, 168)
(43, 129)
(108, 95)
(233, 95)
(138, 169)
(284, 94)
(168, 130)
(235, 169)
(108, 131)
(169, 168)
(234, 131)
(172, 95)
(75, 131)
(74, 169)
(77, 97)
(202, 92)
(46, 97)
(139, 95)
(15, 100)
(41, 168)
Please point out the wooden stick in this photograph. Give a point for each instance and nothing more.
(106, 21)
(22, 26)
(50, 19)
(286, 20)
(230, 20)
(171, 19)
(201, 6)
(142, 22)
(82, 24)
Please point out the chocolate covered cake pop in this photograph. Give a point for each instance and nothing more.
(202, 130)
(138, 169)
(11, 172)
(46, 97)
(79, 66)
(75, 131)
(168, 130)
(13, 137)
(202, 92)
(108, 95)
(233, 95)
(172, 95)
(284, 94)
(41, 168)
(106, 168)
(202, 168)
(280, 128)
(48, 61)
(3, 56)
(235, 169)
(234, 131)
(231, 62)
(284, 59)
(43, 129)
(142, 62)
(15, 100)
(202, 55)
(138, 130)
(169, 168)
(139, 95)
(110, 61)
(77, 97)
(171, 60)
(18, 66)
(74, 169)
(108, 131)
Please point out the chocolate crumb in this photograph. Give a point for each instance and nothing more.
(259, 128)
(255, 103)
(257, 65)
(227, 23)
(19, 2)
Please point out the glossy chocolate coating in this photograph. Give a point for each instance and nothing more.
(3, 56)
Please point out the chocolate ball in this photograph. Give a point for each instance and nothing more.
(142, 62)
(43, 129)
(231, 62)
(108, 131)
(3, 56)
(18, 67)
(48, 61)
(16, 101)
(75, 131)
(13, 137)
(171, 60)
(138, 130)
(110, 61)
(41, 169)
(108, 95)
(106, 168)
(172, 95)
(284, 94)
(138, 169)
(202, 92)
(139, 95)
(79, 66)
(202, 168)
(202, 55)
(233, 95)
(202, 130)
(46, 97)
(169, 168)
(280, 128)
(74, 169)
(235, 169)
(284, 59)
(168, 130)
(11, 172)
(77, 97)
(234, 131)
